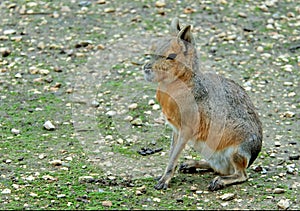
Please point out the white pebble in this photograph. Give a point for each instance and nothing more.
(156, 199)
(111, 113)
(155, 107)
(227, 196)
(151, 102)
(6, 191)
(133, 106)
(277, 144)
(259, 49)
(283, 204)
(9, 31)
(120, 141)
(18, 75)
(287, 83)
(56, 162)
(15, 131)
(48, 125)
(44, 71)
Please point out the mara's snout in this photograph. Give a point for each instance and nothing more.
(148, 73)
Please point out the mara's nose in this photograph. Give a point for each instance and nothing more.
(147, 68)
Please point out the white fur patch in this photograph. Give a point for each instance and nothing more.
(218, 160)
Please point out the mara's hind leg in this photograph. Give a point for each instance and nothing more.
(239, 163)
(191, 166)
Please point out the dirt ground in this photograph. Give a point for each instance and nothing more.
(81, 63)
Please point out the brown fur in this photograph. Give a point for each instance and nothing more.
(205, 109)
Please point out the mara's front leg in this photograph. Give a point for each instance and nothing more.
(176, 148)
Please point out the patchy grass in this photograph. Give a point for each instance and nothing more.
(49, 32)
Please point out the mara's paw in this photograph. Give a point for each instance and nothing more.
(161, 185)
(187, 168)
(216, 184)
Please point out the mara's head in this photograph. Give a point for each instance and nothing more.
(173, 56)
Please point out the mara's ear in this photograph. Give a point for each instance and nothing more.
(174, 27)
(186, 35)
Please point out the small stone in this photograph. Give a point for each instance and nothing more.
(288, 68)
(8, 161)
(291, 94)
(69, 158)
(48, 125)
(41, 45)
(199, 192)
(111, 113)
(11, 6)
(95, 103)
(224, 204)
(5, 51)
(188, 10)
(128, 118)
(193, 188)
(287, 114)
(120, 141)
(278, 190)
(160, 4)
(84, 3)
(270, 26)
(155, 107)
(264, 8)
(15, 131)
(288, 83)
(56, 162)
(290, 14)
(4, 37)
(277, 144)
(259, 49)
(231, 37)
(291, 168)
(227, 196)
(16, 186)
(33, 194)
(100, 2)
(44, 71)
(283, 204)
(61, 196)
(138, 193)
(18, 75)
(83, 43)
(137, 122)
(151, 102)
(9, 31)
(32, 4)
(156, 199)
(6, 191)
(266, 55)
(109, 137)
(107, 203)
(242, 15)
(133, 106)
(49, 178)
(142, 188)
(294, 157)
(109, 10)
(42, 156)
(100, 47)
(148, 112)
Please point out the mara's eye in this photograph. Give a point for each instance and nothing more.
(172, 56)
